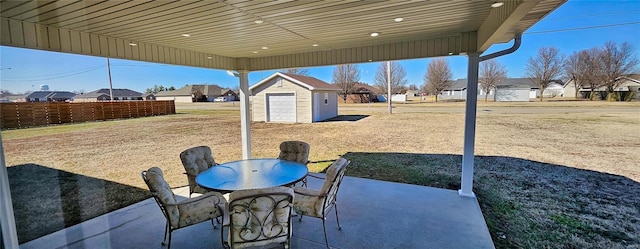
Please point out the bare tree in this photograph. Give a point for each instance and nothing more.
(298, 71)
(438, 76)
(346, 77)
(575, 68)
(398, 77)
(492, 72)
(592, 76)
(545, 67)
(617, 61)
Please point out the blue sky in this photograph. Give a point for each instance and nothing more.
(570, 25)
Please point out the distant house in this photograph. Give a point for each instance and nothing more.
(360, 93)
(191, 93)
(510, 89)
(149, 96)
(49, 96)
(229, 95)
(104, 95)
(628, 86)
(293, 98)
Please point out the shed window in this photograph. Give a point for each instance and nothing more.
(326, 98)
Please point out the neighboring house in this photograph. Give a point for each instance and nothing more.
(510, 89)
(513, 92)
(293, 98)
(49, 96)
(104, 95)
(7, 98)
(229, 95)
(457, 90)
(360, 93)
(554, 89)
(628, 86)
(149, 96)
(412, 93)
(191, 93)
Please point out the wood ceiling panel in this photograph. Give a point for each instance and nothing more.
(51, 6)
(6, 6)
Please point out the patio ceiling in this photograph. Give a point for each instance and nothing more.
(225, 35)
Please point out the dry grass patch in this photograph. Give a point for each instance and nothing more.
(522, 150)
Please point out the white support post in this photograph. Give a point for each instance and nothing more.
(245, 120)
(470, 126)
(7, 220)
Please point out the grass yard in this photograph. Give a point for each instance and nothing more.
(548, 175)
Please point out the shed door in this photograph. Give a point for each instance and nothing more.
(281, 107)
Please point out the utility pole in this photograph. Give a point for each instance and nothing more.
(110, 84)
(389, 84)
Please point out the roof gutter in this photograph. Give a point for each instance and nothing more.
(516, 45)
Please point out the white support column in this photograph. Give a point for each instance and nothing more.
(7, 220)
(470, 126)
(245, 119)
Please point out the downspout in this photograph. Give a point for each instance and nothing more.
(468, 156)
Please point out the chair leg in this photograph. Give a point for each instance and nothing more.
(214, 224)
(166, 229)
(300, 219)
(304, 182)
(326, 241)
(169, 245)
(335, 207)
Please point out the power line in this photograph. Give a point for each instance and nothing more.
(61, 73)
(592, 15)
(64, 76)
(581, 28)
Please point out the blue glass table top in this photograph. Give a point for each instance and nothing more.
(251, 174)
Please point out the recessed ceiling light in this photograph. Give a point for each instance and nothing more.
(133, 44)
(497, 4)
(186, 35)
(374, 34)
(255, 52)
(209, 57)
(259, 21)
(399, 19)
(265, 47)
(315, 45)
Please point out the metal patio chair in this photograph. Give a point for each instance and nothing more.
(318, 203)
(183, 213)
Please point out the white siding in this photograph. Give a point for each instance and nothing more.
(279, 85)
(327, 105)
(509, 95)
(180, 99)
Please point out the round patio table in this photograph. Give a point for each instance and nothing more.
(251, 174)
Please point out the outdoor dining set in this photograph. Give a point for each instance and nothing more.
(253, 200)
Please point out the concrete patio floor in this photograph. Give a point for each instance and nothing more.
(373, 214)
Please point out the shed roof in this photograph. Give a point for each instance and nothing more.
(310, 83)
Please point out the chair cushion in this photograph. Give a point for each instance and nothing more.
(308, 202)
(162, 191)
(296, 151)
(260, 217)
(196, 160)
(201, 208)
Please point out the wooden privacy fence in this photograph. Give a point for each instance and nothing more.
(32, 114)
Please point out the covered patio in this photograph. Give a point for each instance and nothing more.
(397, 216)
(246, 36)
